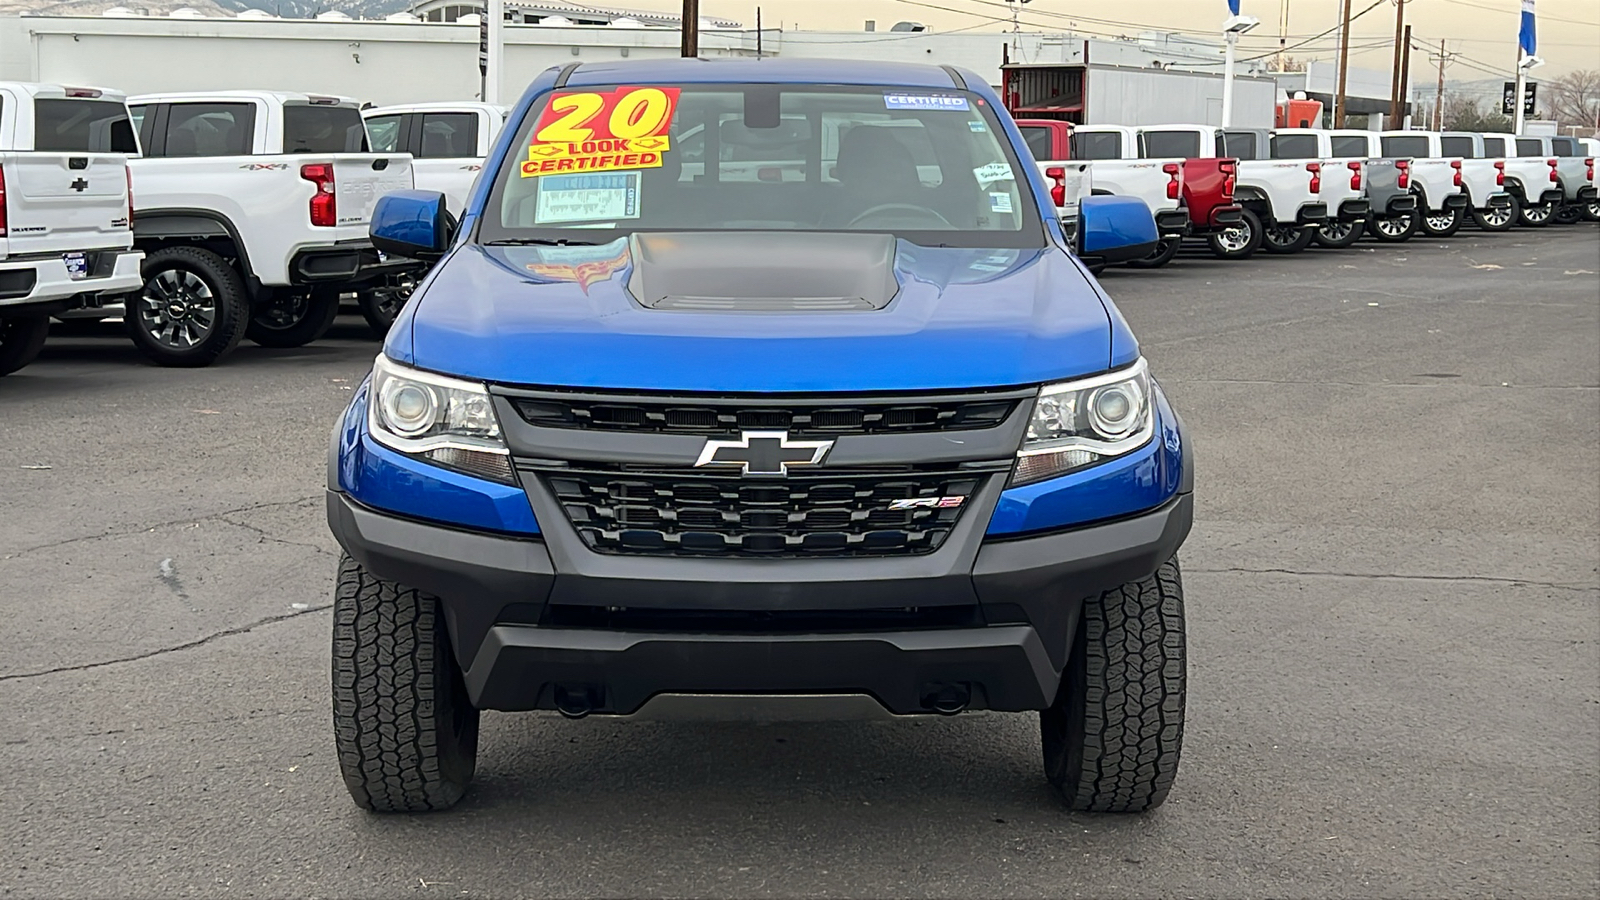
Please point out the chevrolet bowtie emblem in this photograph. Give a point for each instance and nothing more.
(763, 453)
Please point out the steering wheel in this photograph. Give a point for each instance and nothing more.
(911, 208)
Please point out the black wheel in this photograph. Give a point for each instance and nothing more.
(21, 339)
(382, 302)
(406, 734)
(1393, 229)
(192, 310)
(1239, 241)
(285, 318)
(1536, 214)
(1339, 235)
(1443, 224)
(1569, 215)
(1286, 237)
(1497, 218)
(1114, 734)
(1163, 254)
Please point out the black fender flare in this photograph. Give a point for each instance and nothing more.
(158, 224)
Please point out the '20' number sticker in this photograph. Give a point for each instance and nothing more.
(627, 128)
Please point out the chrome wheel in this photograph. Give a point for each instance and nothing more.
(177, 308)
(1336, 232)
(1440, 221)
(1235, 239)
(1538, 213)
(1497, 216)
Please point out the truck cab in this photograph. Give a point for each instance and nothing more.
(252, 208)
(65, 236)
(1344, 180)
(1483, 177)
(1437, 180)
(447, 142)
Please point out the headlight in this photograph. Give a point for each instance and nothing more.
(446, 421)
(1080, 423)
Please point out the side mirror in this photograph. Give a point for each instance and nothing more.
(413, 224)
(1115, 229)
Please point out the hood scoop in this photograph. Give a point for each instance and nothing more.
(763, 271)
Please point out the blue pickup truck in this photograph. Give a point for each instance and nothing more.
(759, 388)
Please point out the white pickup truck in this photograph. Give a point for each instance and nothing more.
(1575, 167)
(1591, 151)
(1483, 177)
(1530, 176)
(1282, 196)
(1118, 166)
(252, 207)
(447, 143)
(1343, 183)
(65, 237)
(1436, 179)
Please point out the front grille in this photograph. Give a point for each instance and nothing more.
(834, 514)
(839, 417)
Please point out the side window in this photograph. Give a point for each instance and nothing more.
(136, 118)
(385, 133)
(1239, 144)
(1564, 146)
(1096, 145)
(1493, 147)
(447, 135)
(1037, 138)
(1530, 147)
(209, 129)
(1294, 146)
(1349, 145)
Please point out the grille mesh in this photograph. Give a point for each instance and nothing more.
(678, 417)
(823, 515)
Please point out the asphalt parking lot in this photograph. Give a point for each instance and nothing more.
(1394, 611)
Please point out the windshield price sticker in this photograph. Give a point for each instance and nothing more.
(627, 128)
(926, 101)
(588, 198)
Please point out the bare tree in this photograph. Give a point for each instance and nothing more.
(1573, 99)
(1464, 113)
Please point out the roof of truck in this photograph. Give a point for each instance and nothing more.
(769, 71)
(269, 97)
(36, 89)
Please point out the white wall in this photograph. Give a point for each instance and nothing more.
(1123, 96)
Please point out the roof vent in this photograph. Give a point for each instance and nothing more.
(908, 26)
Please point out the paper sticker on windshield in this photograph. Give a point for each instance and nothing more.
(588, 198)
(1000, 203)
(628, 128)
(925, 101)
(978, 127)
(992, 173)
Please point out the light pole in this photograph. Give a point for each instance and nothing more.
(1016, 26)
(495, 53)
(1231, 29)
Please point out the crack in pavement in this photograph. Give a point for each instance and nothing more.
(148, 528)
(262, 532)
(1480, 579)
(160, 651)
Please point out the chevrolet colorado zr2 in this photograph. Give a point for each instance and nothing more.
(759, 388)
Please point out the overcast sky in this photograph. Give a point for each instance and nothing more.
(1484, 32)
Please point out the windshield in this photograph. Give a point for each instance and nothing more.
(599, 163)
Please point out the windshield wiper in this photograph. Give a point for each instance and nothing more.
(538, 242)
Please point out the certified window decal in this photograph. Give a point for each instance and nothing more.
(926, 101)
(628, 128)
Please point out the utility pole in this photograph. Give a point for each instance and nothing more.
(1283, 34)
(691, 29)
(1339, 102)
(1438, 98)
(1405, 78)
(495, 56)
(1394, 88)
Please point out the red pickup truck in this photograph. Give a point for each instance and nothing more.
(1201, 187)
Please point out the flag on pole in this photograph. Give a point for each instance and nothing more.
(1233, 7)
(1526, 37)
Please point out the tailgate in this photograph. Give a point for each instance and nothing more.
(361, 178)
(65, 201)
(1337, 176)
(1436, 176)
(1382, 182)
(1076, 183)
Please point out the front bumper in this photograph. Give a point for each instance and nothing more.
(1012, 615)
(44, 279)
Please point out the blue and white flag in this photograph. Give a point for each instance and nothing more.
(1233, 7)
(1526, 37)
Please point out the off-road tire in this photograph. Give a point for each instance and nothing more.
(315, 318)
(1339, 235)
(1249, 226)
(1163, 254)
(1272, 238)
(406, 733)
(1398, 234)
(21, 339)
(228, 295)
(1114, 734)
(1505, 224)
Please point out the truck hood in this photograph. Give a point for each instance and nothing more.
(950, 318)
